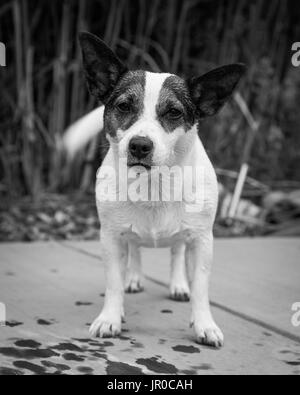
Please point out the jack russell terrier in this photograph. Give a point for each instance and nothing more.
(151, 121)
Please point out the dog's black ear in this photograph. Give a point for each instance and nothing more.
(102, 67)
(211, 91)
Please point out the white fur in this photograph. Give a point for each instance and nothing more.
(128, 225)
(164, 224)
(78, 135)
(153, 86)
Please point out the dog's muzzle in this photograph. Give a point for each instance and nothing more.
(140, 148)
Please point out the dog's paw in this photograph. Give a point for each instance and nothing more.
(106, 326)
(134, 286)
(208, 333)
(180, 292)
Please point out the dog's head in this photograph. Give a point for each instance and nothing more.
(152, 117)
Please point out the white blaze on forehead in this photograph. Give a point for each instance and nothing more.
(153, 86)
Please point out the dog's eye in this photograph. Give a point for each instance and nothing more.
(124, 107)
(174, 113)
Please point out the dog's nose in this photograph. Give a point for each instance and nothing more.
(140, 147)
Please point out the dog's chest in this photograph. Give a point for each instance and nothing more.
(156, 228)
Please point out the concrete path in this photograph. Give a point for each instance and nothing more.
(53, 291)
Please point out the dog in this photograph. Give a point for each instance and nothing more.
(151, 121)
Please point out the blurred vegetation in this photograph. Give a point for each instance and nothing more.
(43, 90)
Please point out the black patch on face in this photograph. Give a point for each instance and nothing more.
(130, 91)
(175, 95)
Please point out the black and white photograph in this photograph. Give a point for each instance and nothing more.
(149, 190)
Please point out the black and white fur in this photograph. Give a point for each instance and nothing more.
(164, 111)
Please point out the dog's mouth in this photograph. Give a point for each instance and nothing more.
(139, 165)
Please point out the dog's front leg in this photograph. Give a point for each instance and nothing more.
(134, 277)
(199, 255)
(115, 256)
(179, 287)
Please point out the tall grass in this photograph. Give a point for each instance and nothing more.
(43, 90)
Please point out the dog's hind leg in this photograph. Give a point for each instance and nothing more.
(134, 276)
(179, 287)
(115, 257)
(200, 255)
